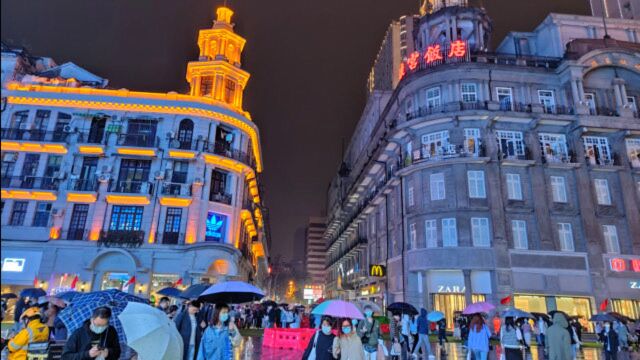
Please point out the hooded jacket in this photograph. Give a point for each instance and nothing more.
(34, 332)
(423, 323)
(558, 339)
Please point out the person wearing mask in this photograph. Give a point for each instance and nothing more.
(396, 337)
(347, 346)
(610, 343)
(558, 339)
(321, 344)
(442, 335)
(479, 335)
(34, 331)
(173, 311)
(96, 339)
(423, 335)
(510, 338)
(623, 334)
(369, 332)
(220, 337)
(163, 305)
(189, 329)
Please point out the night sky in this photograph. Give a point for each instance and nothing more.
(308, 60)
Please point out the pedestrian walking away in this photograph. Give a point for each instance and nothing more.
(187, 323)
(320, 346)
(369, 332)
(96, 339)
(479, 335)
(558, 339)
(347, 345)
(423, 336)
(220, 337)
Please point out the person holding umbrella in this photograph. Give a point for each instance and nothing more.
(610, 343)
(479, 335)
(188, 327)
(96, 339)
(369, 332)
(220, 337)
(510, 339)
(321, 344)
(347, 346)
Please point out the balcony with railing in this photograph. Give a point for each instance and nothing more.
(121, 238)
(559, 158)
(138, 140)
(90, 184)
(34, 135)
(603, 111)
(189, 144)
(30, 182)
(87, 137)
(220, 197)
(175, 189)
(512, 154)
(358, 244)
(131, 187)
(221, 149)
(558, 110)
(449, 151)
(602, 160)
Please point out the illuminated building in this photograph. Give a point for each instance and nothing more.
(111, 184)
(315, 251)
(483, 175)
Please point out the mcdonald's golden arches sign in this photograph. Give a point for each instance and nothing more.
(377, 270)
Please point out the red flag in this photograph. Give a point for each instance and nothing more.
(74, 282)
(505, 300)
(178, 282)
(35, 281)
(604, 305)
(131, 281)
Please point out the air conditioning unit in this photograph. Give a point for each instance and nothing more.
(171, 135)
(103, 177)
(158, 175)
(198, 181)
(10, 157)
(67, 129)
(57, 212)
(169, 166)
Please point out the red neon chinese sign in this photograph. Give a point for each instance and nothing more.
(618, 264)
(435, 54)
(635, 265)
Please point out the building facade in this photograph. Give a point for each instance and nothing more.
(315, 250)
(485, 174)
(108, 185)
(621, 9)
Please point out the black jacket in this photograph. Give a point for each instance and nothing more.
(80, 342)
(610, 338)
(183, 324)
(324, 347)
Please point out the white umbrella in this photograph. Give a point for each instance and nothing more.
(150, 333)
(361, 304)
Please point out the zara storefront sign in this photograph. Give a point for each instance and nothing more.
(434, 55)
(454, 289)
(635, 284)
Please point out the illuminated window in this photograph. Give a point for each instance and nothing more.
(514, 188)
(472, 141)
(41, 216)
(610, 234)
(505, 98)
(602, 191)
(436, 182)
(519, 232)
(431, 233)
(554, 147)
(206, 86)
(480, 232)
(449, 232)
(475, 180)
(18, 213)
(565, 235)
(596, 150)
(469, 92)
(434, 144)
(229, 91)
(126, 218)
(633, 151)
(558, 189)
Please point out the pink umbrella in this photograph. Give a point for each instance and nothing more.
(339, 309)
(478, 307)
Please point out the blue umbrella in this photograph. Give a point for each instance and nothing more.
(234, 292)
(169, 291)
(67, 296)
(194, 291)
(516, 313)
(435, 316)
(82, 306)
(32, 293)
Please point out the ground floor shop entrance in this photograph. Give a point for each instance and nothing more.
(450, 304)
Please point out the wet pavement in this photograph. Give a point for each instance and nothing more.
(251, 348)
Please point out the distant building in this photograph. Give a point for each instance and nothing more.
(110, 185)
(315, 251)
(621, 9)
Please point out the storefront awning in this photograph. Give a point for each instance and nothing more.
(20, 267)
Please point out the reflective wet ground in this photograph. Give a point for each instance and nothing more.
(251, 348)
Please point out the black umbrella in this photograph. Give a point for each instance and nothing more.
(544, 316)
(234, 292)
(32, 293)
(622, 318)
(269, 303)
(402, 307)
(194, 291)
(602, 317)
(8, 296)
(170, 292)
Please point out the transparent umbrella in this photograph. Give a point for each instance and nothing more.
(150, 333)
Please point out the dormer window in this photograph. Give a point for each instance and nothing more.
(229, 91)
(206, 86)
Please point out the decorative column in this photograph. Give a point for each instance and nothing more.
(467, 286)
(193, 214)
(617, 92)
(99, 212)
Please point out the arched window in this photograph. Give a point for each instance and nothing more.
(185, 134)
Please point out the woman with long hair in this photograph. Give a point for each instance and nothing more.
(347, 346)
(510, 339)
(479, 335)
(220, 337)
(321, 344)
